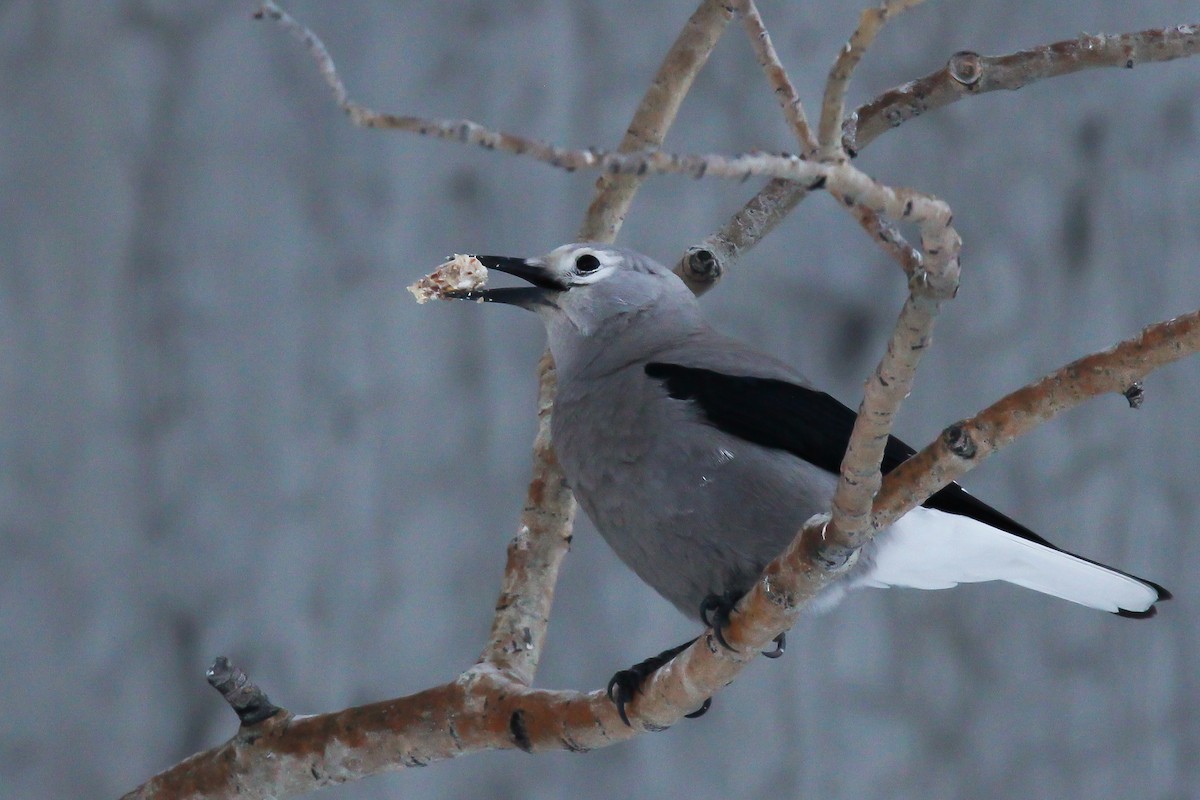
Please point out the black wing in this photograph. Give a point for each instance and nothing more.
(810, 425)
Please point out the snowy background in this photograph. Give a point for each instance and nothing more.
(227, 429)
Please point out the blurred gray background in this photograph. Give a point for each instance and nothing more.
(227, 429)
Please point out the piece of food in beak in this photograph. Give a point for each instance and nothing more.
(463, 273)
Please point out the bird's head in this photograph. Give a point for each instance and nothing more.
(588, 293)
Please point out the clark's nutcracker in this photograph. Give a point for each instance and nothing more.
(699, 458)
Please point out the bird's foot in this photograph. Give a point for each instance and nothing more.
(628, 682)
(714, 612)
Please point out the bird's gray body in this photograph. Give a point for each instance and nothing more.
(696, 499)
(657, 480)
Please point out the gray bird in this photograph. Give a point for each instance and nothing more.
(698, 458)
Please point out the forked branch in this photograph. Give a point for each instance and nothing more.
(965, 75)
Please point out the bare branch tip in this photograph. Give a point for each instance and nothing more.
(267, 9)
(703, 265)
(244, 696)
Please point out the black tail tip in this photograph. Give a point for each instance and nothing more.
(1163, 594)
(1147, 614)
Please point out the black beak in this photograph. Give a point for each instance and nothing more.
(545, 285)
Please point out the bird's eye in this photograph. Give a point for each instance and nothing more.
(586, 263)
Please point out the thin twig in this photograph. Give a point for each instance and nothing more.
(969, 74)
(315, 47)
(654, 116)
(890, 109)
(703, 265)
(849, 527)
(965, 444)
(834, 102)
(781, 84)
(966, 74)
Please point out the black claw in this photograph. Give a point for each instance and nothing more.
(714, 612)
(780, 646)
(621, 689)
(625, 684)
(720, 636)
(702, 710)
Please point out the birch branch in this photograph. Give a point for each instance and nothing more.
(966, 74)
(654, 116)
(963, 445)
(834, 103)
(544, 535)
(849, 525)
(534, 555)
(702, 265)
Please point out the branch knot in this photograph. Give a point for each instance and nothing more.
(959, 441)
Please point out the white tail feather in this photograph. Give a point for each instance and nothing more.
(928, 549)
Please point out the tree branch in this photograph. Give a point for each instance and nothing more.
(833, 104)
(966, 74)
(849, 526)
(777, 77)
(534, 554)
(654, 116)
(963, 445)
(703, 265)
